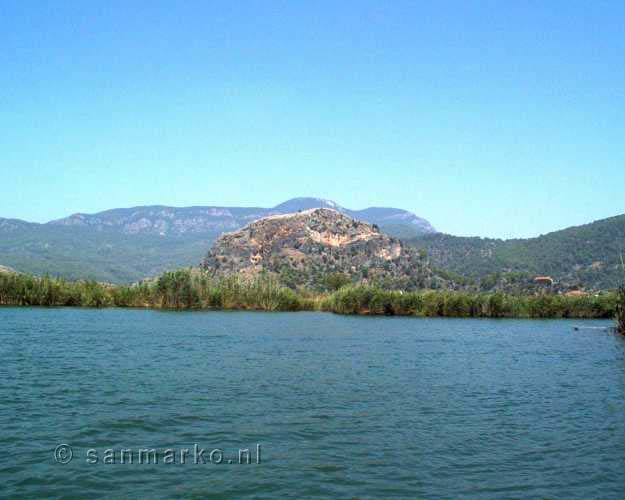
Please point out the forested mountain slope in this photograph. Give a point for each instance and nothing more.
(589, 256)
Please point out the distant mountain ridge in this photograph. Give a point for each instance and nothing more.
(160, 219)
(128, 244)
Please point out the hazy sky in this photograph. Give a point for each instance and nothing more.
(487, 118)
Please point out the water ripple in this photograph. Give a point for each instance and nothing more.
(344, 407)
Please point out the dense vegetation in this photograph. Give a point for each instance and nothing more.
(589, 256)
(367, 300)
(195, 290)
(620, 311)
(176, 290)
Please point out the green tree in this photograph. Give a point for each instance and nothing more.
(336, 281)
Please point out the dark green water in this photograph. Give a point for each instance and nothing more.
(342, 407)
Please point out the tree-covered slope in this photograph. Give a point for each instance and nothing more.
(104, 255)
(589, 256)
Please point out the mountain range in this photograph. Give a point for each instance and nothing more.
(123, 245)
(172, 221)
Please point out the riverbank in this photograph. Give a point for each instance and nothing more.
(186, 290)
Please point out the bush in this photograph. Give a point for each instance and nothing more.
(620, 311)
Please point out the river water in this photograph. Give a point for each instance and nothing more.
(320, 405)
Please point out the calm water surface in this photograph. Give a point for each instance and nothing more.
(342, 407)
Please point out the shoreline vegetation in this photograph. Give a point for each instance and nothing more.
(187, 290)
(620, 311)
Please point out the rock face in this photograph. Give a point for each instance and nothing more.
(305, 248)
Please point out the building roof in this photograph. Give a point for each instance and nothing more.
(544, 278)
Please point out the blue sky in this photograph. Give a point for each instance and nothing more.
(502, 119)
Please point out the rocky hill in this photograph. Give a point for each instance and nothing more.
(310, 247)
